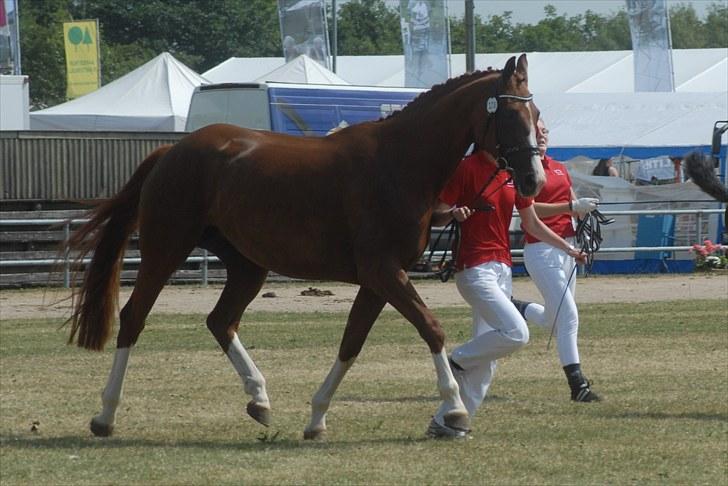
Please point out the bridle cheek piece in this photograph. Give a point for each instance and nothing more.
(491, 106)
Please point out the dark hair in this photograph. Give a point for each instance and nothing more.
(602, 168)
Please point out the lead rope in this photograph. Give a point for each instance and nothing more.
(589, 239)
(447, 267)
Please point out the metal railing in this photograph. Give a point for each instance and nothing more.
(205, 259)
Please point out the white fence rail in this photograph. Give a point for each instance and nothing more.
(205, 259)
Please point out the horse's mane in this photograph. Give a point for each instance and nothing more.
(440, 90)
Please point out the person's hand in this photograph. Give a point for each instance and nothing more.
(584, 205)
(461, 214)
(577, 255)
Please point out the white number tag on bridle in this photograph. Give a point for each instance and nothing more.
(491, 106)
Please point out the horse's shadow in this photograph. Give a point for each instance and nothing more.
(700, 416)
(264, 441)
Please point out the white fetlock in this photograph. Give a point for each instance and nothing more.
(253, 380)
(452, 409)
(322, 399)
(103, 424)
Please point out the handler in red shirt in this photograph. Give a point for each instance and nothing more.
(553, 271)
(483, 277)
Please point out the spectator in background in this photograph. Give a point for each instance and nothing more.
(605, 168)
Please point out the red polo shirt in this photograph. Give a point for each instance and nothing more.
(484, 236)
(556, 190)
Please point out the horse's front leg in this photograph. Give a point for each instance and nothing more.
(367, 307)
(397, 289)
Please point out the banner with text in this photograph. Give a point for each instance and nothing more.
(9, 45)
(83, 73)
(303, 30)
(649, 25)
(426, 41)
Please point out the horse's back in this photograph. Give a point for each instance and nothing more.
(278, 199)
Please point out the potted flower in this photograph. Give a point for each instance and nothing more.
(709, 256)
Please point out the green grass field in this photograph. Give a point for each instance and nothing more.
(661, 367)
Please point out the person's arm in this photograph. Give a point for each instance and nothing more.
(613, 171)
(575, 206)
(534, 226)
(544, 210)
(443, 213)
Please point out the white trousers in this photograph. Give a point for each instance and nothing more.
(550, 269)
(498, 329)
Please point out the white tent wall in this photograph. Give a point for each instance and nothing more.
(154, 97)
(622, 120)
(588, 72)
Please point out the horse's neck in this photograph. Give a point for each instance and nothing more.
(434, 137)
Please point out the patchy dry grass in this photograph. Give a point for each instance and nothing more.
(662, 368)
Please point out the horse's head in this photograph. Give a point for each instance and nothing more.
(509, 126)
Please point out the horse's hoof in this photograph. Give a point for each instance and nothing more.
(101, 430)
(457, 421)
(258, 413)
(316, 434)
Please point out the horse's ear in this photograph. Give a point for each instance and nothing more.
(510, 67)
(522, 65)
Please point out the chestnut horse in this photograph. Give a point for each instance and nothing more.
(354, 206)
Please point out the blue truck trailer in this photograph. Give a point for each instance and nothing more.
(296, 109)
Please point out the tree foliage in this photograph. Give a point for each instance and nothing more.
(203, 33)
(368, 27)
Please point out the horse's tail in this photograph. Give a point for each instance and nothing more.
(700, 169)
(106, 234)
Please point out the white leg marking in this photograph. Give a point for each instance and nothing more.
(111, 395)
(321, 400)
(446, 384)
(253, 381)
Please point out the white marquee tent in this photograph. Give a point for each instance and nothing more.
(638, 124)
(302, 69)
(696, 70)
(154, 97)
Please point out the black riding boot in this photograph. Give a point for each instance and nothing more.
(521, 306)
(580, 387)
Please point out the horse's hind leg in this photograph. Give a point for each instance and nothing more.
(159, 261)
(244, 280)
(367, 307)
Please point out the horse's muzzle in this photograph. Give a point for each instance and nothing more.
(528, 186)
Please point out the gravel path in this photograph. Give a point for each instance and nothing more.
(54, 303)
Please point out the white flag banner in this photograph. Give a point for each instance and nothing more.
(426, 40)
(9, 41)
(303, 30)
(649, 24)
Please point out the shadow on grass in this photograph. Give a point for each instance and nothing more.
(412, 399)
(388, 399)
(251, 444)
(703, 417)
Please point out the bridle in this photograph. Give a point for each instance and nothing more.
(491, 106)
(589, 235)
(452, 229)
